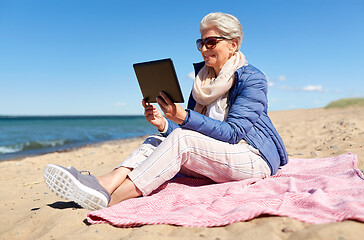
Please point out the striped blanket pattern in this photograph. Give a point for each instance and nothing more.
(311, 190)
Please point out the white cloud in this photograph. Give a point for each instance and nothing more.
(313, 88)
(191, 75)
(120, 104)
(270, 84)
(282, 78)
(308, 88)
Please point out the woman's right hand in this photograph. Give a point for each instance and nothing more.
(154, 116)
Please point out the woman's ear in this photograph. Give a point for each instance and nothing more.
(233, 45)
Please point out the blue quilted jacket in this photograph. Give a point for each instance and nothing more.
(247, 118)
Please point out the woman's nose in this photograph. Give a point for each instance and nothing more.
(203, 49)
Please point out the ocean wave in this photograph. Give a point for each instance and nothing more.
(27, 136)
(31, 145)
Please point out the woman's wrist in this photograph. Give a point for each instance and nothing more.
(181, 118)
(186, 117)
(163, 128)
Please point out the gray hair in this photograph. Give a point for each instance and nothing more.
(227, 25)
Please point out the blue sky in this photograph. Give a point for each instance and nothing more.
(75, 57)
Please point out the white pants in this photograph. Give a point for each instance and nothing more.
(193, 154)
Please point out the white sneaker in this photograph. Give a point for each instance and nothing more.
(70, 184)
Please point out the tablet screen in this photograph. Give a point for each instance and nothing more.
(156, 76)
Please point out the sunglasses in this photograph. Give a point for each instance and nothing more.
(209, 42)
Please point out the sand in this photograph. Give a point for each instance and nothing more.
(29, 210)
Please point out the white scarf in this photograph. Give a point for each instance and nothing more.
(210, 92)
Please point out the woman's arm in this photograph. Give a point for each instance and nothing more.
(243, 114)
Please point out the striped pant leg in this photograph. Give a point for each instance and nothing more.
(195, 153)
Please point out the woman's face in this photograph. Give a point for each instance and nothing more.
(217, 57)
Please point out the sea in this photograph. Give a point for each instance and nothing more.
(22, 136)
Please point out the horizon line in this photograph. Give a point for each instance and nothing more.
(68, 115)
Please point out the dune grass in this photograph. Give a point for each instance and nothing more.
(346, 102)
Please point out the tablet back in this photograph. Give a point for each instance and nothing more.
(156, 76)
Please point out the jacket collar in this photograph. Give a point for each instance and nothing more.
(198, 67)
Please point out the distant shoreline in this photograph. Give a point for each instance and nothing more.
(23, 136)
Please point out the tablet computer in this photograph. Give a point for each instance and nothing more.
(156, 76)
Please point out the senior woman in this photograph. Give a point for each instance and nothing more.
(225, 134)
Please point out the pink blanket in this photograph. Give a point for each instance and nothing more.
(311, 190)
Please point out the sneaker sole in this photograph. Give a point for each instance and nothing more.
(66, 186)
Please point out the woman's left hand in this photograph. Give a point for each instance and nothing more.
(172, 111)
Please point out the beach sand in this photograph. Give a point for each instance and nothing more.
(29, 210)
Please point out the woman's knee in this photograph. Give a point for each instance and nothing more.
(180, 132)
(187, 139)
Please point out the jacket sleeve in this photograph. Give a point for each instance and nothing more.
(171, 126)
(246, 109)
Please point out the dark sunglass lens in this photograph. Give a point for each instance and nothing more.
(199, 44)
(210, 42)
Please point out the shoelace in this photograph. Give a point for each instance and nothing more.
(85, 171)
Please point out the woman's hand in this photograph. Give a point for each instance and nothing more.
(154, 116)
(172, 111)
